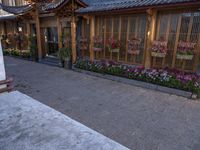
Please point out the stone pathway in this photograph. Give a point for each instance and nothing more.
(138, 118)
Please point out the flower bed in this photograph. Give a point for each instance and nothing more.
(18, 53)
(166, 77)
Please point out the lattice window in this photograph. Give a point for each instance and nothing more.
(176, 27)
(121, 28)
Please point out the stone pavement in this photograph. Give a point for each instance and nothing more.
(29, 125)
(138, 118)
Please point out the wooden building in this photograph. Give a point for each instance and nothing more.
(152, 33)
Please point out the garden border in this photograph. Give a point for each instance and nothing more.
(141, 84)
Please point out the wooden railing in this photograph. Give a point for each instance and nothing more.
(8, 85)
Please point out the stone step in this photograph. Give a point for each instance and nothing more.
(52, 61)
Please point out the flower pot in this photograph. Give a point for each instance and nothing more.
(68, 64)
(155, 54)
(83, 48)
(184, 57)
(116, 50)
(134, 52)
(96, 49)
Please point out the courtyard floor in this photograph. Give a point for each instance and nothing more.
(140, 119)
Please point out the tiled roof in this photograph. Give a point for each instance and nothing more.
(17, 10)
(7, 17)
(108, 5)
(57, 3)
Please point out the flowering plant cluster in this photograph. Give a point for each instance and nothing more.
(133, 46)
(159, 47)
(83, 43)
(98, 42)
(165, 77)
(186, 48)
(114, 44)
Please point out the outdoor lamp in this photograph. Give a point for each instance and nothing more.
(20, 29)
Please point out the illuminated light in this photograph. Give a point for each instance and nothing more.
(20, 29)
(148, 33)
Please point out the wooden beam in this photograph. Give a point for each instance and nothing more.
(190, 27)
(197, 55)
(151, 31)
(112, 34)
(38, 34)
(92, 32)
(168, 27)
(104, 51)
(120, 30)
(127, 38)
(28, 32)
(59, 26)
(73, 35)
(176, 41)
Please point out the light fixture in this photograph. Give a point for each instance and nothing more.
(20, 29)
(148, 33)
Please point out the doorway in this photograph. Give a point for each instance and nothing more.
(51, 41)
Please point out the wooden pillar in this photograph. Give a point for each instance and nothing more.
(176, 41)
(197, 55)
(28, 31)
(59, 26)
(105, 40)
(92, 30)
(38, 32)
(119, 38)
(73, 36)
(127, 38)
(151, 31)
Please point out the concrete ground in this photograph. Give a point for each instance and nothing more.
(138, 118)
(26, 124)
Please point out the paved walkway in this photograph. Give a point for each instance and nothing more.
(138, 118)
(27, 124)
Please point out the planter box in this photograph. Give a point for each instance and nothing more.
(134, 52)
(83, 48)
(114, 50)
(160, 55)
(184, 57)
(142, 84)
(96, 49)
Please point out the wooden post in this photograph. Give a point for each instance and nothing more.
(92, 30)
(127, 38)
(196, 60)
(151, 30)
(120, 30)
(176, 41)
(38, 32)
(73, 35)
(105, 40)
(60, 44)
(28, 32)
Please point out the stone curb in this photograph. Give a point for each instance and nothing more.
(150, 86)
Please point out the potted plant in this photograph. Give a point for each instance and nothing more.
(33, 47)
(185, 50)
(114, 45)
(98, 42)
(65, 57)
(133, 46)
(159, 49)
